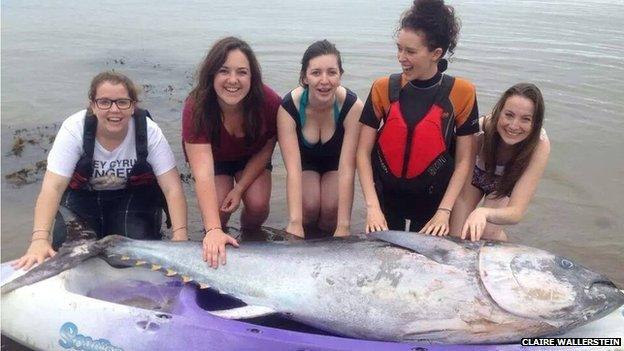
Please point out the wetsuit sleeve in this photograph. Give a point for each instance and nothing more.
(464, 100)
(271, 106)
(376, 104)
(159, 153)
(67, 147)
(189, 132)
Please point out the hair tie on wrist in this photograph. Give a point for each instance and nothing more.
(175, 230)
(211, 229)
(444, 209)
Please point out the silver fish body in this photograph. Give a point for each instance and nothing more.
(399, 286)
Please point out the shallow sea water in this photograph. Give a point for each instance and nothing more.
(571, 49)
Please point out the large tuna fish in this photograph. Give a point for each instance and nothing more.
(389, 286)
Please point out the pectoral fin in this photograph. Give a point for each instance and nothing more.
(442, 250)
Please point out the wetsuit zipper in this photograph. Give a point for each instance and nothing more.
(447, 131)
(408, 146)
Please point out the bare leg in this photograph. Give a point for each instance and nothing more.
(329, 202)
(256, 201)
(224, 184)
(466, 202)
(494, 231)
(311, 197)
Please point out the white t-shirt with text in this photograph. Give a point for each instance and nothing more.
(110, 168)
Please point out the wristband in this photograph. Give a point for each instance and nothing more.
(211, 229)
(444, 209)
(175, 230)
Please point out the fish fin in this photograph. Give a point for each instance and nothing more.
(233, 232)
(77, 228)
(244, 312)
(273, 234)
(80, 245)
(439, 249)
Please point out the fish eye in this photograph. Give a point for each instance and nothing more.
(567, 264)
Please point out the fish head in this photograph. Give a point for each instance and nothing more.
(537, 284)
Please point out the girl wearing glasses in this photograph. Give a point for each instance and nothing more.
(229, 135)
(111, 165)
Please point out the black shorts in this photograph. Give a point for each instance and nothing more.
(230, 168)
(135, 213)
(319, 165)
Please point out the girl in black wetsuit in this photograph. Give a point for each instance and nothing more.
(317, 133)
(416, 145)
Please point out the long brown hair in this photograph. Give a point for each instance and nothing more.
(522, 152)
(206, 110)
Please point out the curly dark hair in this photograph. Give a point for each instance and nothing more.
(523, 151)
(206, 110)
(436, 20)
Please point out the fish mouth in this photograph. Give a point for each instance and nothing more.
(604, 289)
(604, 283)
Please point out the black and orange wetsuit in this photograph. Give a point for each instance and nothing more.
(413, 157)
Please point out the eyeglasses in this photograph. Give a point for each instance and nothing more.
(106, 104)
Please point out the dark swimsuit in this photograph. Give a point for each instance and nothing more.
(485, 183)
(482, 182)
(319, 157)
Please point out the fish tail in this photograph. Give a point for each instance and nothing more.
(80, 245)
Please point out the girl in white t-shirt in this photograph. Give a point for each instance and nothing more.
(112, 166)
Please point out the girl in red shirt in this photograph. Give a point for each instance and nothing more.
(229, 133)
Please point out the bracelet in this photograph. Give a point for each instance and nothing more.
(175, 230)
(35, 239)
(211, 229)
(444, 209)
(39, 230)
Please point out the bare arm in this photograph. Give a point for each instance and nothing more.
(171, 186)
(46, 207)
(202, 167)
(524, 189)
(256, 165)
(346, 168)
(375, 219)
(519, 200)
(289, 147)
(464, 162)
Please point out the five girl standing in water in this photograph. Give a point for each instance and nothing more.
(417, 144)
